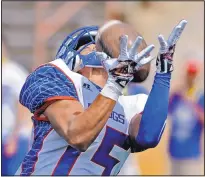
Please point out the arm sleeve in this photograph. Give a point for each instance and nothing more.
(44, 86)
(155, 113)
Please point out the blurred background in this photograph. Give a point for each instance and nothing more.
(31, 35)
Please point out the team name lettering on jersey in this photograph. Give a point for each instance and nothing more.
(115, 116)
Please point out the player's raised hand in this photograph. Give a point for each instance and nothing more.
(167, 48)
(120, 70)
(131, 55)
(118, 73)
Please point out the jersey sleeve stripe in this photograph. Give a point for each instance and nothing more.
(42, 118)
(61, 98)
(47, 103)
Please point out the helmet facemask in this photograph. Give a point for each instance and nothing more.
(71, 49)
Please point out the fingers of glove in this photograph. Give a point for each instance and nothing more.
(110, 64)
(163, 44)
(134, 47)
(144, 61)
(176, 33)
(143, 53)
(173, 38)
(183, 23)
(123, 47)
(102, 56)
(118, 66)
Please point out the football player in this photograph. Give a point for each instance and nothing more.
(82, 123)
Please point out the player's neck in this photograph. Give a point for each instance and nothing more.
(98, 77)
(98, 80)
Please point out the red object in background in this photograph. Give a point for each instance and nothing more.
(192, 67)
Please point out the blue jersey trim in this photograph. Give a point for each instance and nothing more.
(41, 131)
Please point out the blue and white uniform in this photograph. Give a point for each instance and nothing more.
(186, 128)
(50, 154)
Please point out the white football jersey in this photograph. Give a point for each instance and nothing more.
(105, 156)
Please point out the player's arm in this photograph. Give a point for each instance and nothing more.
(49, 92)
(146, 129)
(77, 126)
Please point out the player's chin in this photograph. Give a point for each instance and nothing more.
(141, 75)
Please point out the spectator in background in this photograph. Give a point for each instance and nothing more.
(201, 101)
(187, 120)
(16, 127)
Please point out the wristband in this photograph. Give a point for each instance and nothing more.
(111, 90)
